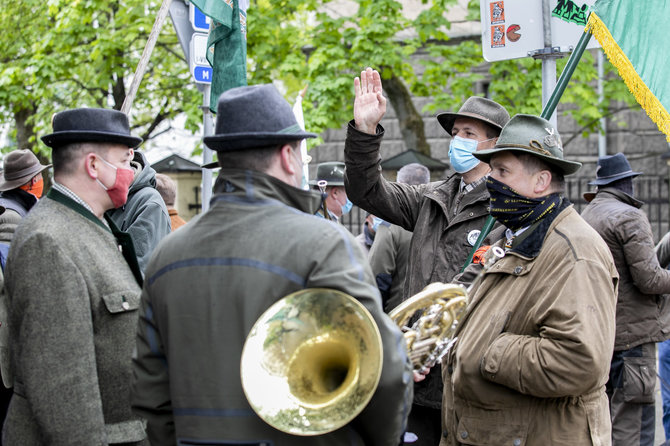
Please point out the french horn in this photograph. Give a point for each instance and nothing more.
(439, 307)
(312, 362)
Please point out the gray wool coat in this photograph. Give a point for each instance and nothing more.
(208, 283)
(72, 302)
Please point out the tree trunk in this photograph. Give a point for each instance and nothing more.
(409, 119)
(25, 131)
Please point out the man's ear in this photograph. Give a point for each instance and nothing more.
(287, 162)
(542, 182)
(91, 164)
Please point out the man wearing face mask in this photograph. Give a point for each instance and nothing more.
(21, 185)
(72, 291)
(445, 217)
(335, 196)
(532, 353)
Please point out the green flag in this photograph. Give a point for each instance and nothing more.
(633, 34)
(226, 45)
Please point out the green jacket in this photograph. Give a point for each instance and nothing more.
(209, 282)
(388, 261)
(72, 301)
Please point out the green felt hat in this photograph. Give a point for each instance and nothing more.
(533, 135)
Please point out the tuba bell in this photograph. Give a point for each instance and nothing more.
(440, 307)
(312, 362)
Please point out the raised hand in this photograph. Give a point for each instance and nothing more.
(370, 103)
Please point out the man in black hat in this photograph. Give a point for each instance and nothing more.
(643, 316)
(73, 288)
(446, 217)
(335, 199)
(21, 185)
(208, 283)
(531, 354)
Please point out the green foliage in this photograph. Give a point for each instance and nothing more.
(63, 54)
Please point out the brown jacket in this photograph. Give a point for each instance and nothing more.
(533, 352)
(642, 315)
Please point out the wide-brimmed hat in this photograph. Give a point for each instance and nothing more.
(254, 116)
(533, 135)
(612, 168)
(481, 109)
(331, 172)
(90, 125)
(19, 167)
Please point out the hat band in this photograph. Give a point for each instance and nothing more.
(614, 175)
(22, 173)
(295, 128)
(533, 148)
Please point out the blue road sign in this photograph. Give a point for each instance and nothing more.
(202, 74)
(198, 19)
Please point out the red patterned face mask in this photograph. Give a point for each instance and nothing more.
(36, 188)
(118, 193)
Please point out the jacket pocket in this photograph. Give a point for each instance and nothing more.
(131, 431)
(121, 301)
(639, 379)
(474, 431)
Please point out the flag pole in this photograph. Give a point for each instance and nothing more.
(146, 55)
(548, 110)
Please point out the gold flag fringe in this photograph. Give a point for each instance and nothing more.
(631, 78)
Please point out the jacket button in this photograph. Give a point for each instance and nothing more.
(518, 270)
(517, 442)
(445, 434)
(471, 214)
(464, 435)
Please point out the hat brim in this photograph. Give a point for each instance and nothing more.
(613, 178)
(57, 139)
(240, 141)
(212, 165)
(447, 120)
(565, 166)
(13, 184)
(329, 183)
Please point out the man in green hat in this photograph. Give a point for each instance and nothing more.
(335, 203)
(532, 353)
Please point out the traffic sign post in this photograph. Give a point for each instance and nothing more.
(191, 26)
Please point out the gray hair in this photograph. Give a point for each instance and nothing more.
(167, 188)
(413, 174)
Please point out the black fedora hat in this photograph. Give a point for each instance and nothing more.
(90, 125)
(481, 109)
(254, 116)
(612, 168)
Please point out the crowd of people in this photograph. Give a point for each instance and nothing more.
(122, 324)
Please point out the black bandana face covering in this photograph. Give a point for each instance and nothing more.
(516, 211)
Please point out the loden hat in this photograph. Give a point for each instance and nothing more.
(254, 116)
(90, 125)
(19, 167)
(533, 135)
(332, 172)
(612, 168)
(481, 109)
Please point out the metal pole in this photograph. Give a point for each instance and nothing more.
(548, 62)
(207, 154)
(564, 79)
(602, 135)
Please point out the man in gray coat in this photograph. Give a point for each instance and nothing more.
(73, 289)
(643, 315)
(445, 217)
(208, 283)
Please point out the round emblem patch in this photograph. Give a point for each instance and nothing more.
(473, 236)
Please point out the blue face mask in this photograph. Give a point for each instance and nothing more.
(460, 153)
(347, 207)
(376, 221)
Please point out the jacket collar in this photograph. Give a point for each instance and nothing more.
(529, 244)
(252, 186)
(612, 192)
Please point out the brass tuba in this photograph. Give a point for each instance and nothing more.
(440, 308)
(312, 362)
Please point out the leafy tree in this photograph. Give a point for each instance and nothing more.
(62, 54)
